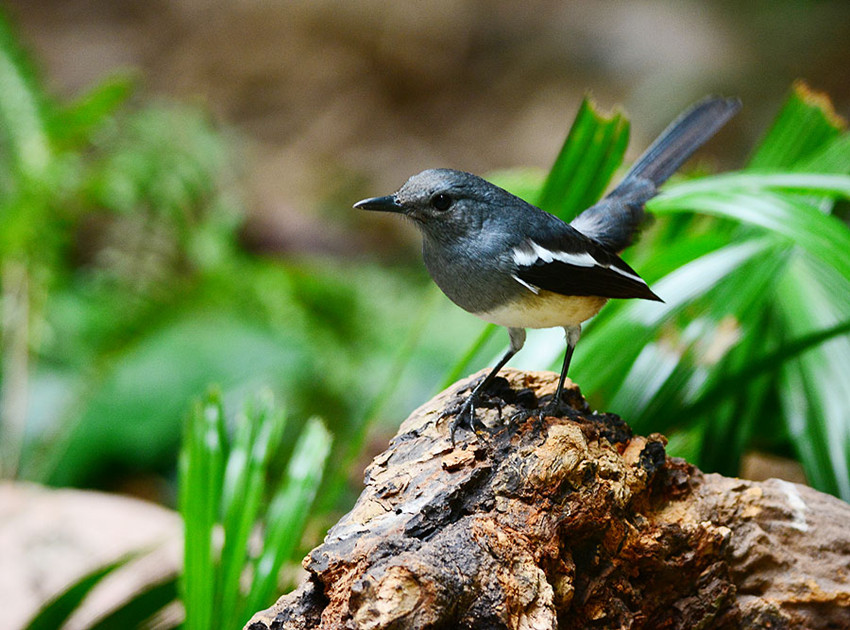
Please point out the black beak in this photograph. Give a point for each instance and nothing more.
(380, 204)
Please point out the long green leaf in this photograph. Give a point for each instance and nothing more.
(822, 236)
(54, 613)
(633, 325)
(591, 153)
(814, 297)
(670, 370)
(825, 184)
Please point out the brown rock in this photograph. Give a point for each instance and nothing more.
(567, 522)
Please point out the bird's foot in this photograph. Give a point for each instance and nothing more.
(556, 407)
(463, 414)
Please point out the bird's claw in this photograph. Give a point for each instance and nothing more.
(463, 416)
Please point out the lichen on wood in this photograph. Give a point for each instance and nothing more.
(566, 522)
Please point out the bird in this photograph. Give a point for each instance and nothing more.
(512, 264)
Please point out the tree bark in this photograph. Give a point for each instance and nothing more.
(569, 522)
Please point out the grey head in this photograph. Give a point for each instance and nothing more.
(447, 205)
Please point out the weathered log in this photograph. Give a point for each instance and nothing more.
(569, 522)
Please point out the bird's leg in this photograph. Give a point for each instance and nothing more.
(465, 415)
(572, 334)
(555, 406)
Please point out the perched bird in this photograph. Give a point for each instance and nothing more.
(512, 264)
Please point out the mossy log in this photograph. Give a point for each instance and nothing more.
(566, 522)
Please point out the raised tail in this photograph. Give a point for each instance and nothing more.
(616, 218)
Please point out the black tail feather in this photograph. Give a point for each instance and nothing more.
(681, 139)
(615, 220)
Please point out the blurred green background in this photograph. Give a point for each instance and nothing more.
(177, 180)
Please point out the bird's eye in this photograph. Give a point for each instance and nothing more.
(441, 202)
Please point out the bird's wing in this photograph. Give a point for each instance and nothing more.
(571, 264)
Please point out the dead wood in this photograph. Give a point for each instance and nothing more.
(569, 522)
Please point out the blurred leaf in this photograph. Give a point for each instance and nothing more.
(140, 608)
(804, 125)
(162, 159)
(591, 153)
(487, 332)
(25, 140)
(55, 612)
(133, 411)
(73, 124)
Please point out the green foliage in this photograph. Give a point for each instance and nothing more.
(223, 493)
(119, 249)
(750, 348)
(228, 498)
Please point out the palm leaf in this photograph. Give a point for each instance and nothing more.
(591, 153)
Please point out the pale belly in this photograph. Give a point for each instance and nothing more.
(545, 310)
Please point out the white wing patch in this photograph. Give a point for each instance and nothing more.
(535, 290)
(529, 253)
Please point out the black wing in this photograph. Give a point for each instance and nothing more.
(571, 264)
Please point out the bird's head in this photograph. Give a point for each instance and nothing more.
(446, 205)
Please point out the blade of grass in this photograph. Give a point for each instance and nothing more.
(728, 428)
(460, 368)
(765, 364)
(22, 124)
(201, 477)
(289, 509)
(337, 480)
(258, 432)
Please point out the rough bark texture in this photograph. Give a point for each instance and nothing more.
(564, 523)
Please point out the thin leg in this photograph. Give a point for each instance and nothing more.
(466, 414)
(572, 334)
